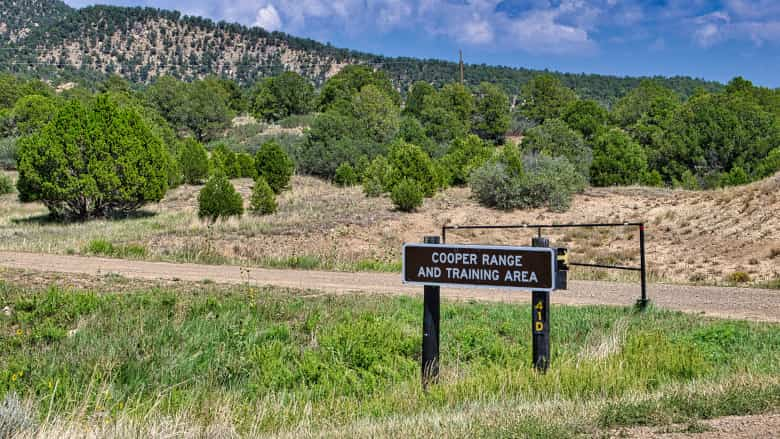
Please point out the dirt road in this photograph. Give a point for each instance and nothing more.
(741, 303)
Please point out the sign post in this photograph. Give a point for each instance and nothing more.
(430, 339)
(540, 301)
(434, 265)
(541, 329)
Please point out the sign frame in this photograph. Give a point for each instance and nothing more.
(552, 252)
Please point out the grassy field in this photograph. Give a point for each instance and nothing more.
(249, 361)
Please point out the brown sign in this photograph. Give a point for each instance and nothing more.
(522, 268)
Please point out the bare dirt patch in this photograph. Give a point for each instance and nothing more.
(731, 427)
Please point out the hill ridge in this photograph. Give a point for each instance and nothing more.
(142, 43)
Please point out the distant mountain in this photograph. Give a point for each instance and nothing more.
(18, 18)
(49, 39)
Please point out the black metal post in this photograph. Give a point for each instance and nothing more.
(541, 329)
(540, 301)
(430, 339)
(642, 303)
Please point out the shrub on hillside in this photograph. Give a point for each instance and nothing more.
(246, 164)
(769, 165)
(617, 159)
(225, 160)
(737, 176)
(194, 161)
(219, 199)
(8, 152)
(554, 138)
(653, 179)
(274, 165)
(687, 181)
(463, 156)
(494, 186)
(408, 161)
(263, 201)
(550, 182)
(297, 121)
(539, 181)
(93, 160)
(6, 185)
(407, 195)
(346, 175)
(375, 177)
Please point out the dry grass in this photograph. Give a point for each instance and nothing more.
(554, 417)
(698, 237)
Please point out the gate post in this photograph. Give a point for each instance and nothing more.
(430, 338)
(643, 301)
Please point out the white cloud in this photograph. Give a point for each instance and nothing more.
(540, 33)
(538, 26)
(711, 28)
(268, 18)
(739, 21)
(476, 31)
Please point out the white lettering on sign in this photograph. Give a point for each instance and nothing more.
(479, 266)
(454, 258)
(429, 272)
(473, 274)
(520, 276)
(502, 260)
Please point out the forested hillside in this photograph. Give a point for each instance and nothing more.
(48, 39)
(20, 17)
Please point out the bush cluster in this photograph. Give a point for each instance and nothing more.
(263, 201)
(539, 180)
(219, 199)
(6, 185)
(274, 165)
(194, 162)
(408, 164)
(407, 195)
(346, 175)
(93, 160)
(375, 177)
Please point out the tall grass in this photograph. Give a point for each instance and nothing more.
(274, 362)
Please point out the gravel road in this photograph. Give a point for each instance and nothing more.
(739, 303)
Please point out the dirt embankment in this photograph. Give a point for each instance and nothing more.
(692, 236)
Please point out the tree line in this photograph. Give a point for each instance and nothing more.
(107, 151)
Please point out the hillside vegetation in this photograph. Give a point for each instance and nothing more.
(113, 149)
(693, 237)
(142, 44)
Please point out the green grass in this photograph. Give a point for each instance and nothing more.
(773, 284)
(276, 362)
(103, 247)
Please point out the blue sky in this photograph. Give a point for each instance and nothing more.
(710, 39)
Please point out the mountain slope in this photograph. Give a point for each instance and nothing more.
(20, 17)
(143, 43)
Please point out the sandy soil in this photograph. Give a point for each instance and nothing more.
(731, 427)
(692, 237)
(752, 304)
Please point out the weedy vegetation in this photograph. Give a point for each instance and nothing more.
(254, 361)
